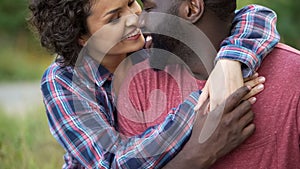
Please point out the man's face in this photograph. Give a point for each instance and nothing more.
(162, 24)
(163, 6)
(178, 46)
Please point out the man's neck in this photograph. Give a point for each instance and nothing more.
(216, 30)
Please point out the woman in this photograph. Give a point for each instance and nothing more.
(77, 86)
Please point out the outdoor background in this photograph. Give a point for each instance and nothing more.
(25, 140)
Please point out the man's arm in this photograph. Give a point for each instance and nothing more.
(253, 36)
(202, 152)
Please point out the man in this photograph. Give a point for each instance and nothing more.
(275, 144)
(251, 39)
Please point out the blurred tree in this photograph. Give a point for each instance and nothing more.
(13, 16)
(140, 2)
(288, 18)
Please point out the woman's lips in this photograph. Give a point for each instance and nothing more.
(134, 35)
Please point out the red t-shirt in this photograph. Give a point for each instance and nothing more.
(275, 143)
(147, 96)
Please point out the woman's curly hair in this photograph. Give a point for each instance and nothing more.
(60, 24)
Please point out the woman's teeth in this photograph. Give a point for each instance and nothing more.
(136, 32)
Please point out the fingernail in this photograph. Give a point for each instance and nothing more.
(249, 87)
(252, 100)
(255, 75)
(262, 79)
(260, 87)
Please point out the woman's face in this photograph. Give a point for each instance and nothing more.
(113, 25)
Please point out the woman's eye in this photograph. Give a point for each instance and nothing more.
(114, 19)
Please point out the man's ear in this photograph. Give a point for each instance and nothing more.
(192, 10)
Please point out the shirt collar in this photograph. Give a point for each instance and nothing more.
(90, 71)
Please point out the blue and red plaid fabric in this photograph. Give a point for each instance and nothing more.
(253, 36)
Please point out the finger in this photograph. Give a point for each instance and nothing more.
(241, 110)
(256, 81)
(252, 100)
(251, 77)
(254, 91)
(235, 98)
(248, 131)
(246, 119)
(203, 97)
(202, 110)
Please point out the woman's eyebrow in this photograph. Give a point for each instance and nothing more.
(113, 11)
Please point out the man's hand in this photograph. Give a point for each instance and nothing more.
(224, 80)
(233, 124)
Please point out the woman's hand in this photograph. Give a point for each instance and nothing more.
(224, 80)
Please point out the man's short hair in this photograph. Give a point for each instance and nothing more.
(222, 8)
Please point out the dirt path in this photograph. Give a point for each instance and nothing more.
(20, 98)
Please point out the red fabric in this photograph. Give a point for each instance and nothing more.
(148, 96)
(275, 143)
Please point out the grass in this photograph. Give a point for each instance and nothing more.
(26, 143)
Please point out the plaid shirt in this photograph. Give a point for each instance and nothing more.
(81, 113)
(253, 36)
(81, 117)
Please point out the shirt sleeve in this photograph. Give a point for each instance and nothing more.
(85, 133)
(253, 36)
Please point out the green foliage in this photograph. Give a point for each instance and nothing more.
(288, 18)
(21, 55)
(27, 143)
(13, 16)
(22, 59)
(140, 2)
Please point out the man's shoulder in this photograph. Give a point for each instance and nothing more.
(287, 49)
(283, 56)
(281, 66)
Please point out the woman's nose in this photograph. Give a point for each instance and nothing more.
(133, 12)
(131, 20)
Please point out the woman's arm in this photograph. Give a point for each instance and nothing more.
(87, 133)
(253, 36)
